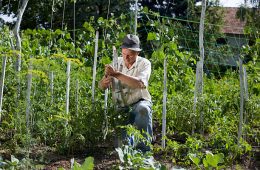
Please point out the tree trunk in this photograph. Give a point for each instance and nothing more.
(16, 32)
(19, 48)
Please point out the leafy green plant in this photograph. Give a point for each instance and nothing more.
(16, 164)
(87, 165)
(135, 159)
(131, 157)
(137, 136)
(209, 160)
(213, 161)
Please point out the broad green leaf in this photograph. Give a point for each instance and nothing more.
(105, 60)
(194, 159)
(151, 36)
(214, 160)
(61, 168)
(76, 166)
(61, 42)
(145, 9)
(67, 36)
(163, 167)
(88, 164)
(58, 32)
(205, 163)
(101, 21)
(88, 27)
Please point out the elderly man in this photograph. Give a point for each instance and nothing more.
(130, 86)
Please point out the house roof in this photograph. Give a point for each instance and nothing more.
(232, 25)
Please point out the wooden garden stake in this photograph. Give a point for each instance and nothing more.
(28, 93)
(164, 102)
(52, 86)
(240, 125)
(136, 11)
(105, 128)
(63, 14)
(95, 68)
(68, 87)
(28, 104)
(2, 82)
(199, 70)
(77, 97)
(246, 99)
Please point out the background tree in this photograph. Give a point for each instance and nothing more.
(177, 8)
(250, 15)
(252, 28)
(38, 13)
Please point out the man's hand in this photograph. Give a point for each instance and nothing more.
(131, 81)
(105, 82)
(110, 71)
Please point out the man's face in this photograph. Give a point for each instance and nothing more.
(129, 56)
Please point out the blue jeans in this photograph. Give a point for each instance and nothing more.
(140, 115)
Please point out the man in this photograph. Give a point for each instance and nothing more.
(129, 80)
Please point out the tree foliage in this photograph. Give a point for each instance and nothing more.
(39, 13)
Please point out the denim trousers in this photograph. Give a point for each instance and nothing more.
(139, 115)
